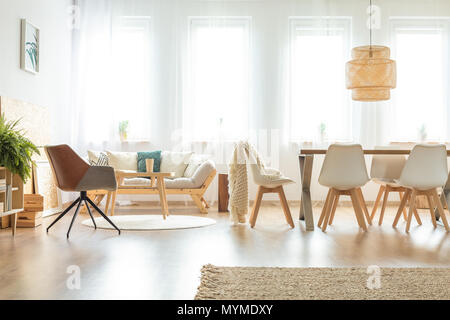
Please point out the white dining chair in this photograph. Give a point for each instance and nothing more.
(269, 181)
(425, 171)
(344, 172)
(385, 170)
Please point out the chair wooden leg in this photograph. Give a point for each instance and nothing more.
(322, 215)
(108, 200)
(285, 206)
(383, 208)
(412, 206)
(328, 210)
(405, 212)
(256, 207)
(358, 210)
(441, 210)
(113, 202)
(416, 216)
(377, 202)
(431, 207)
(364, 206)
(401, 207)
(333, 209)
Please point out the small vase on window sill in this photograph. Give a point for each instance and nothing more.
(322, 133)
(123, 130)
(422, 133)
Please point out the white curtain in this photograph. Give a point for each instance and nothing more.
(111, 76)
(190, 74)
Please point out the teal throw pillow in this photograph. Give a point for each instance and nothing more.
(142, 156)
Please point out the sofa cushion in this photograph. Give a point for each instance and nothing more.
(122, 160)
(136, 181)
(196, 181)
(194, 162)
(142, 156)
(93, 156)
(175, 162)
(202, 172)
(180, 183)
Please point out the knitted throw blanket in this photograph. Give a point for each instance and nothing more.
(238, 179)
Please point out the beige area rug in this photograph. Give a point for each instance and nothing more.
(249, 283)
(151, 222)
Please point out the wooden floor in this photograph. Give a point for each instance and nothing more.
(166, 264)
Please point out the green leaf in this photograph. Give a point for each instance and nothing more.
(16, 150)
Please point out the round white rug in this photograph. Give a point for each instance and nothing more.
(151, 222)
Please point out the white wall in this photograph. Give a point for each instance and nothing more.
(50, 87)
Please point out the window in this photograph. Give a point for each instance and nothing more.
(319, 100)
(420, 101)
(130, 57)
(218, 86)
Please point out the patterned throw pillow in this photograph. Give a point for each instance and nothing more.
(102, 160)
(142, 156)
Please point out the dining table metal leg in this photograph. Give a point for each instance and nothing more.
(306, 212)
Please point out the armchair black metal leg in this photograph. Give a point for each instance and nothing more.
(73, 219)
(102, 214)
(90, 213)
(64, 213)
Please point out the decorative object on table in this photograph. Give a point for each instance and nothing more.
(73, 174)
(151, 222)
(422, 131)
(45, 185)
(123, 130)
(371, 74)
(31, 216)
(223, 196)
(269, 180)
(344, 172)
(141, 163)
(425, 171)
(267, 283)
(30, 38)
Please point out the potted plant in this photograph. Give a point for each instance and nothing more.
(123, 130)
(423, 133)
(322, 132)
(16, 150)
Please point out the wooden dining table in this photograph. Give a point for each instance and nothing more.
(306, 159)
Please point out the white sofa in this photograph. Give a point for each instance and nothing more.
(192, 173)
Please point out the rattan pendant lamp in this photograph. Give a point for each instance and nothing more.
(371, 74)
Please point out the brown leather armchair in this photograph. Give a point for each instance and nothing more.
(72, 173)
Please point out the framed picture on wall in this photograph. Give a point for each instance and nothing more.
(29, 56)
